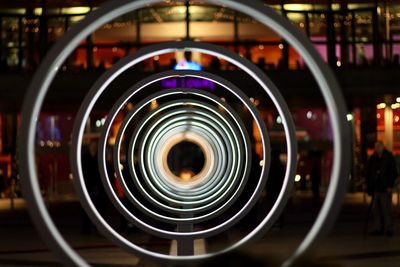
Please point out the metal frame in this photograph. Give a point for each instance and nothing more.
(325, 79)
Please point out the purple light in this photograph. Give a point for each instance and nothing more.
(188, 82)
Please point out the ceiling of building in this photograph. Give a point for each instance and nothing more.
(70, 3)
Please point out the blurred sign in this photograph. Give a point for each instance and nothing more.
(188, 82)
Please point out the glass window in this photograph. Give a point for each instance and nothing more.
(256, 31)
(211, 13)
(10, 31)
(120, 31)
(318, 24)
(221, 31)
(363, 21)
(55, 28)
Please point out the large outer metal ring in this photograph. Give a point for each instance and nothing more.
(54, 59)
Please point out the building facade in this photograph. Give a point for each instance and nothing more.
(360, 40)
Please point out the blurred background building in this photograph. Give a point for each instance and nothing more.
(359, 39)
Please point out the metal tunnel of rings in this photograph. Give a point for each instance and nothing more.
(186, 159)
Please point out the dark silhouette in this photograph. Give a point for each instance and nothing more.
(101, 66)
(275, 182)
(315, 175)
(261, 63)
(381, 175)
(396, 60)
(2, 183)
(94, 185)
(215, 64)
(276, 176)
(172, 63)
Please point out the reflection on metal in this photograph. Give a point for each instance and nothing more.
(192, 115)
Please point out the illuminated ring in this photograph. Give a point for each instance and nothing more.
(60, 51)
(201, 191)
(150, 152)
(203, 122)
(173, 181)
(120, 102)
(161, 159)
(198, 122)
(231, 178)
(218, 152)
(248, 67)
(108, 186)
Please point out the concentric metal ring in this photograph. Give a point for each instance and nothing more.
(65, 46)
(215, 51)
(194, 121)
(150, 152)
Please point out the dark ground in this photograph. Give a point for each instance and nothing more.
(345, 246)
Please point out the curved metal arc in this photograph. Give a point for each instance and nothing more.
(46, 73)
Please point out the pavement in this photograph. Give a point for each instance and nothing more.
(346, 245)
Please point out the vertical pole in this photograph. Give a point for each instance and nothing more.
(388, 123)
(43, 30)
(389, 48)
(330, 21)
(89, 46)
(307, 22)
(66, 23)
(3, 51)
(30, 56)
(69, 61)
(138, 28)
(13, 151)
(12, 195)
(89, 52)
(1, 133)
(344, 45)
(2, 46)
(187, 20)
(185, 246)
(389, 128)
(20, 48)
(353, 37)
(236, 32)
(285, 51)
(375, 35)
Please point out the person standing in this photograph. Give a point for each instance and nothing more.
(94, 185)
(315, 175)
(381, 175)
(2, 183)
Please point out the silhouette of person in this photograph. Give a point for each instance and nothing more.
(381, 175)
(94, 185)
(187, 64)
